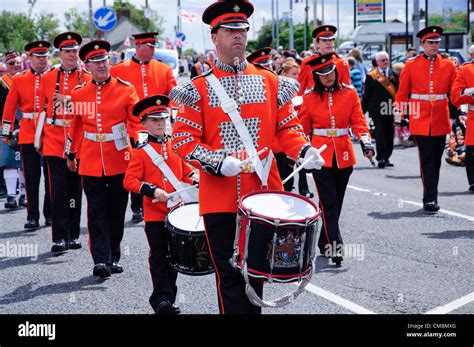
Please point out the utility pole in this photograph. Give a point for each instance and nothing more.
(147, 20)
(322, 12)
(277, 25)
(416, 23)
(273, 21)
(406, 24)
(306, 10)
(104, 4)
(292, 29)
(91, 25)
(337, 20)
(315, 13)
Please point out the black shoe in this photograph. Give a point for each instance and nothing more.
(101, 270)
(11, 203)
(337, 259)
(22, 201)
(388, 164)
(307, 193)
(48, 222)
(75, 244)
(471, 188)
(116, 268)
(59, 246)
(431, 207)
(137, 216)
(167, 308)
(381, 164)
(32, 224)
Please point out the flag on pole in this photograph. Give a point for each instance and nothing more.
(188, 16)
(169, 44)
(126, 43)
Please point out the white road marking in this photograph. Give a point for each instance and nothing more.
(358, 189)
(453, 305)
(450, 213)
(337, 299)
(418, 204)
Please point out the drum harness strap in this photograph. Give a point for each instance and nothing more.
(251, 294)
(159, 162)
(229, 106)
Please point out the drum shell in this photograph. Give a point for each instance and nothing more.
(188, 251)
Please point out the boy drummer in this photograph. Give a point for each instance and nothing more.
(155, 171)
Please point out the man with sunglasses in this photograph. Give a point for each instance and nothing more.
(149, 77)
(325, 37)
(425, 83)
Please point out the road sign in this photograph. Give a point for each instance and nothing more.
(105, 19)
(181, 37)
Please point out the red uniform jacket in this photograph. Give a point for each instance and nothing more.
(426, 77)
(142, 171)
(465, 80)
(339, 109)
(150, 78)
(203, 134)
(97, 108)
(305, 76)
(55, 136)
(24, 93)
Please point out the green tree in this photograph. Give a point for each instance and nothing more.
(189, 52)
(46, 26)
(137, 16)
(16, 29)
(264, 38)
(75, 21)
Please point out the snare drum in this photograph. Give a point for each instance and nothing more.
(188, 252)
(276, 236)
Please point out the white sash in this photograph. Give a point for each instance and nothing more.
(229, 106)
(158, 160)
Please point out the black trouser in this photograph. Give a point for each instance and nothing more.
(430, 150)
(331, 184)
(32, 171)
(106, 205)
(136, 202)
(163, 275)
(220, 233)
(384, 130)
(469, 161)
(285, 168)
(66, 199)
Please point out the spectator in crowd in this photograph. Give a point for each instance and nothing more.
(359, 62)
(356, 77)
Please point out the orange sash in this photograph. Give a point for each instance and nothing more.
(384, 81)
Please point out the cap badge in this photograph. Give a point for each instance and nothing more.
(40, 45)
(434, 30)
(158, 102)
(236, 8)
(96, 47)
(323, 60)
(69, 37)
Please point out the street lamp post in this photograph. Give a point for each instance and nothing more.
(292, 36)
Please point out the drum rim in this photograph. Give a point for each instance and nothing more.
(172, 229)
(276, 277)
(281, 192)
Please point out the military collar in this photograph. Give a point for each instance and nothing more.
(231, 69)
(154, 139)
(329, 90)
(136, 60)
(36, 73)
(429, 58)
(100, 84)
(63, 70)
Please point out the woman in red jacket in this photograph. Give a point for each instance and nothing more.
(329, 109)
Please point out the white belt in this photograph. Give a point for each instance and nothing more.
(59, 122)
(332, 132)
(30, 115)
(102, 137)
(429, 97)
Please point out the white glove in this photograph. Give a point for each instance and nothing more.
(231, 166)
(317, 162)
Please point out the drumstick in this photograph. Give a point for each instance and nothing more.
(303, 164)
(249, 159)
(175, 193)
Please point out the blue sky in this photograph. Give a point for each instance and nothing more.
(197, 33)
